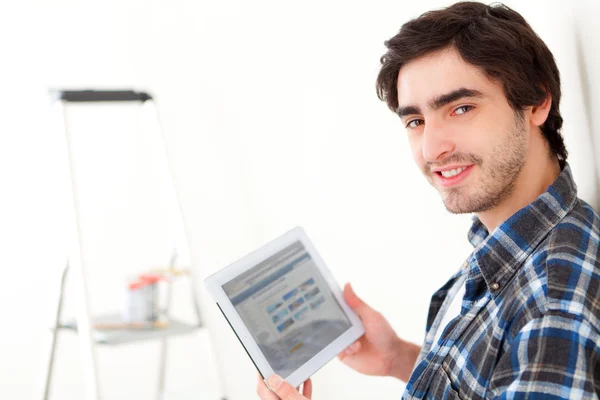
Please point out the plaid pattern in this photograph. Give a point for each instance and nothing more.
(530, 320)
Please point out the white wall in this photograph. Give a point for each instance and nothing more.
(272, 121)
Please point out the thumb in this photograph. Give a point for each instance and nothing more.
(359, 306)
(282, 389)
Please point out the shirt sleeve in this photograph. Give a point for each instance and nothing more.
(556, 356)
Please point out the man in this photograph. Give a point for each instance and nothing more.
(478, 92)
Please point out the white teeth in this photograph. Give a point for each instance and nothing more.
(452, 172)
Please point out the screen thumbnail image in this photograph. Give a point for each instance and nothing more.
(280, 315)
(296, 304)
(317, 303)
(285, 325)
(312, 293)
(290, 294)
(274, 306)
(301, 314)
(306, 285)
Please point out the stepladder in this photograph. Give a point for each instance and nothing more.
(110, 328)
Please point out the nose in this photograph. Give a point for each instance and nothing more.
(437, 142)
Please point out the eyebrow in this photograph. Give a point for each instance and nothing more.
(440, 101)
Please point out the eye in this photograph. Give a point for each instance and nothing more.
(414, 123)
(462, 110)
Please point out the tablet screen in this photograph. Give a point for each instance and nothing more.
(288, 308)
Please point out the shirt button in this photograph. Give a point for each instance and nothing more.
(495, 286)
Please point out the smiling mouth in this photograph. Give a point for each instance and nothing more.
(451, 172)
(451, 177)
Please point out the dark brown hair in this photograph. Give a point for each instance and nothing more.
(494, 38)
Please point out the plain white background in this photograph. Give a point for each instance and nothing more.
(271, 121)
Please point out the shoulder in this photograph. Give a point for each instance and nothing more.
(577, 234)
(569, 262)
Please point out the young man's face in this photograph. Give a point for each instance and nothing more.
(465, 137)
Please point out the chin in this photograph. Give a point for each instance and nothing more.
(457, 209)
(469, 205)
(458, 202)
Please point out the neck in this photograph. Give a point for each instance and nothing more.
(539, 172)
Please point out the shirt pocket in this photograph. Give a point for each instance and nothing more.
(442, 388)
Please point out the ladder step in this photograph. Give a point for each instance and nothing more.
(92, 96)
(111, 334)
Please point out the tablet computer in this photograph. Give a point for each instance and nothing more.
(285, 308)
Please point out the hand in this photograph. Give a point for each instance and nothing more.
(282, 389)
(379, 351)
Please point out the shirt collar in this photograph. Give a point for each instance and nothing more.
(498, 255)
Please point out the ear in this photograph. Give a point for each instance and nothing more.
(539, 113)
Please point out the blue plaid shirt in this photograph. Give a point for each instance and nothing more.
(529, 326)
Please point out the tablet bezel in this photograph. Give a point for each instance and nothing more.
(214, 283)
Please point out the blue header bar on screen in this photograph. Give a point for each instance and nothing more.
(268, 280)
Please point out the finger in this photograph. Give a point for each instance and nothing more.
(359, 306)
(307, 389)
(353, 348)
(284, 390)
(263, 391)
(350, 350)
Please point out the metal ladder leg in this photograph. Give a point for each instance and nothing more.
(160, 395)
(84, 326)
(55, 329)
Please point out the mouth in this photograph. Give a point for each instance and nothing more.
(448, 177)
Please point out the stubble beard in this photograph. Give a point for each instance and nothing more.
(498, 177)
